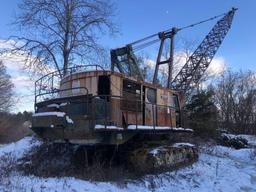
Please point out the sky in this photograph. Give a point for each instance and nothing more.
(139, 18)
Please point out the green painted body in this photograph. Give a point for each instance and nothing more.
(81, 130)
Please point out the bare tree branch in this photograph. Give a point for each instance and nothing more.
(235, 96)
(62, 32)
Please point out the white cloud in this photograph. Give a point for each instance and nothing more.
(24, 86)
(22, 81)
(23, 91)
(7, 44)
(150, 63)
(12, 62)
(216, 68)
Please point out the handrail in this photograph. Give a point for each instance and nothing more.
(99, 115)
(50, 81)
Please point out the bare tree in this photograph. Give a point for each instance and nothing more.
(6, 87)
(235, 96)
(61, 33)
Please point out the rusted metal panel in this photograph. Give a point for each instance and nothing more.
(163, 118)
(148, 114)
(116, 113)
(162, 97)
(132, 117)
(116, 87)
(131, 96)
(94, 85)
(88, 84)
(131, 109)
(173, 118)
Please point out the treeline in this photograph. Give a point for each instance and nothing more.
(14, 126)
(228, 104)
(235, 97)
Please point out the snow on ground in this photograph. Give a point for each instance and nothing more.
(18, 149)
(218, 169)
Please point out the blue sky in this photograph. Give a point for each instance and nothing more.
(144, 17)
(139, 18)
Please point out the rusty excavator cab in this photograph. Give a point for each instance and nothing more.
(96, 106)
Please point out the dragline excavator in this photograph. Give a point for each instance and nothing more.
(91, 106)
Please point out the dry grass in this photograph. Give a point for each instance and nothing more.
(14, 131)
(60, 160)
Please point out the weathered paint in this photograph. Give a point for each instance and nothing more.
(88, 110)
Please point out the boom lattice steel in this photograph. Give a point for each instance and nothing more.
(198, 62)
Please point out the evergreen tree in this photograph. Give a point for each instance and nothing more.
(202, 114)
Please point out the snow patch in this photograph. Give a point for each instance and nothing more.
(183, 144)
(63, 104)
(108, 127)
(57, 105)
(41, 114)
(244, 155)
(155, 151)
(182, 129)
(53, 105)
(145, 127)
(69, 120)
